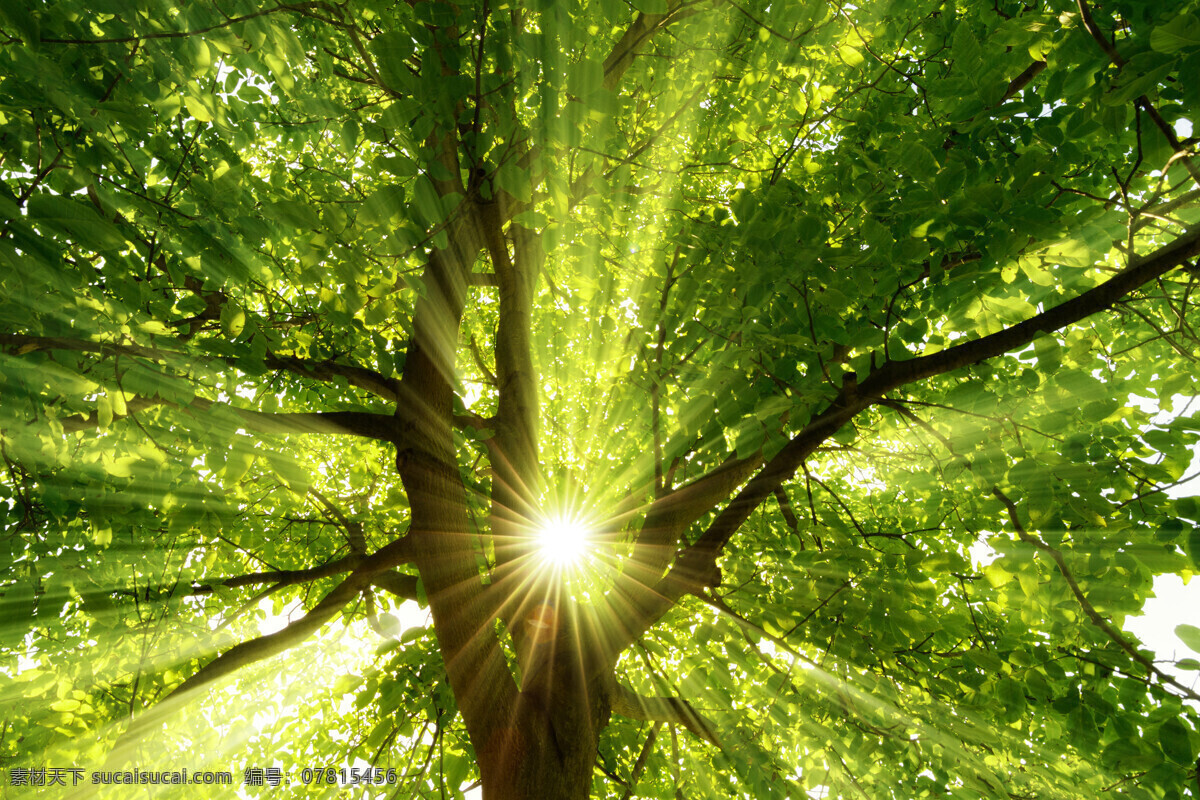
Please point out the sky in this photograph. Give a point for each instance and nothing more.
(1175, 602)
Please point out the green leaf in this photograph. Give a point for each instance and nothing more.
(850, 55)
(1175, 741)
(236, 465)
(75, 219)
(919, 161)
(104, 412)
(1130, 84)
(1179, 33)
(1012, 694)
(1190, 635)
(384, 204)
(233, 320)
(391, 49)
(1049, 354)
(197, 108)
(293, 474)
(20, 16)
(428, 203)
(514, 180)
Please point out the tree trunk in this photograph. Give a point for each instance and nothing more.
(548, 746)
(549, 752)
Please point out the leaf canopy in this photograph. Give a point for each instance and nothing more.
(310, 312)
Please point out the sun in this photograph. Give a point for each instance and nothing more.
(564, 541)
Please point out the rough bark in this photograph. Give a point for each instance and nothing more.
(442, 545)
(549, 744)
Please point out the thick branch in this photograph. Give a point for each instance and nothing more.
(666, 520)
(670, 515)
(1024, 79)
(264, 647)
(283, 577)
(628, 703)
(696, 567)
(639, 32)
(513, 451)
(372, 570)
(355, 423)
(92, 421)
(427, 462)
(517, 404)
(399, 584)
(242, 655)
(1140, 271)
(475, 421)
(360, 377)
(369, 380)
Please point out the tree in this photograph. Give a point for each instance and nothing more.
(322, 307)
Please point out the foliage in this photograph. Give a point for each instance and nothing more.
(315, 309)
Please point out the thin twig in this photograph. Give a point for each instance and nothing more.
(1088, 608)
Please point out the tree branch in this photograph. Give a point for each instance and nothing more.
(444, 556)
(367, 379)
(381, 427)
(639, 32)
(473, 421)
(696, 567)
(628, 703)
(353, 530)
(639, 765)
(133, 405)
(513, 449)
(399, 584)
(283, 577)
(665, 522)
(372, 570)
(242, 655)
(357, 423)
(360, 377)
(1021, 81)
